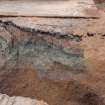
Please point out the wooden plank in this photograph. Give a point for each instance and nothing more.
(49, 8)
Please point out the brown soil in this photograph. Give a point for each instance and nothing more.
(85, 88)
(25, 81)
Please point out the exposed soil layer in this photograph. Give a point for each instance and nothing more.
(25, 82)
(62, 64)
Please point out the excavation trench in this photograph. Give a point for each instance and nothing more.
(43, 65)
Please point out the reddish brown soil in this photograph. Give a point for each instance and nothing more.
(78, 89)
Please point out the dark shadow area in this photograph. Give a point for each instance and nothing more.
(99, 1)
(100, 4)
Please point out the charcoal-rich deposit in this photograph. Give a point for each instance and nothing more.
(59, 61)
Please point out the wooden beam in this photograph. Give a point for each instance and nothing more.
(49, 8)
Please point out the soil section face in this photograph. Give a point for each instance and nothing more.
(62, 66)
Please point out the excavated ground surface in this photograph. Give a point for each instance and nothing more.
(60, 61)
